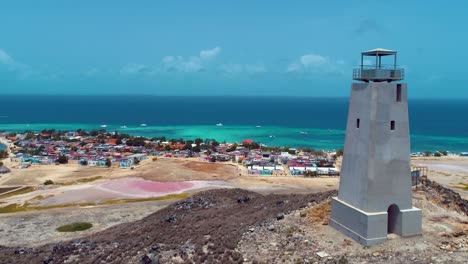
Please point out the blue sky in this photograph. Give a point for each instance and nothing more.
(297, 48)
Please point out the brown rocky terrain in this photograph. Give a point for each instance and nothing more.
(203, 228)
(239, 226)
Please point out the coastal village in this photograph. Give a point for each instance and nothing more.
(99, 148)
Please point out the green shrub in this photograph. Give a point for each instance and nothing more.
(62, 159)
(48, 182)
(19, 191)
(80, 226)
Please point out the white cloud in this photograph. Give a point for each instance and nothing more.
(21, 71)
(210, 54)
(190, 64)
(293, 67)
(313, 60)
(181, 64)
(168, 59)
(315, 63)
(231, 68)
(134, 68)
(5, 58)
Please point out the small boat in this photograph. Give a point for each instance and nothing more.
(123, 126)
(103, 126)
(258, 126)
(219, 124)
(143, 125)
(271, 136)
(304, 132)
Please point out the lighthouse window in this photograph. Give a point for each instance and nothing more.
(392, 125)
(357, 123)
(398, 92)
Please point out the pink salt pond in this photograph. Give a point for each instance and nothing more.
(140, 187)
(118, 189)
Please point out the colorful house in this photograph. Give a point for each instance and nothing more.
(126, 163)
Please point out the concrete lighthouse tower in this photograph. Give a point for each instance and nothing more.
(375, 187)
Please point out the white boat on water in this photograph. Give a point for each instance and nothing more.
(304, 132)
(103, 126)
(123, 126)
(258, 126)
(219, 124)
(143, 125)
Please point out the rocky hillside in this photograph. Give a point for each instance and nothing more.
(203, 229)
(239, 226)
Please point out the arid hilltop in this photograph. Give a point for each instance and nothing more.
(239, 226)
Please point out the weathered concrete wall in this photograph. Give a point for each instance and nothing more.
(366, 228)
(376, 158)
(375, 172)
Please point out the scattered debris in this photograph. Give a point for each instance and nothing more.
(279, 217)
(243, 199)
(322, 254)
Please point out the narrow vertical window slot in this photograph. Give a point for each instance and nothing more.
(358, 123)
(392, 125)
(398, 92)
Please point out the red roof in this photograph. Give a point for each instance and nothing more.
(248, 141)
(178, 146)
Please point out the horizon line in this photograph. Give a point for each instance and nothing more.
(227, 95)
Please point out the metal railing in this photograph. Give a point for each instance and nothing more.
(370, 73)
(381, 66)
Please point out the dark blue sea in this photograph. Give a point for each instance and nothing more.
(292, 121)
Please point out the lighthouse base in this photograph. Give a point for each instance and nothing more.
(372, 228)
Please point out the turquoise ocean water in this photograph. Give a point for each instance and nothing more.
(274, 121)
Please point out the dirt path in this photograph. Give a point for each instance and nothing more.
(452, 172)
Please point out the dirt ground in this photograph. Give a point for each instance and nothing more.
(210, 175)
(160, 170)
(205, 226)
(449, 171)
(35, 228)
(239, 226)
(304, 233)
(219, 175)
(290, 184)
(446, 170)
